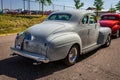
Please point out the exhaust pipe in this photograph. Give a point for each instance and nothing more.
(36, 63)
(13, 54)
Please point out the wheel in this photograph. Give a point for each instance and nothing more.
(108, 41)
(72, 56)
(118, 33)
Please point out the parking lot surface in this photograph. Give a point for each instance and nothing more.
(100, 64)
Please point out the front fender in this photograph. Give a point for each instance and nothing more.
(115, 28)
(103, 34)
(61, 43)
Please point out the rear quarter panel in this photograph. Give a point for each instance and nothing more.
(60, 45)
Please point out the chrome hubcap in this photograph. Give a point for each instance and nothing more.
(108, 40)
(73, 55)
(117, 34)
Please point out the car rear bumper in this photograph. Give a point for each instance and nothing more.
(34, 56)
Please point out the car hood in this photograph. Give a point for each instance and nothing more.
(108, 23)
(43, 30)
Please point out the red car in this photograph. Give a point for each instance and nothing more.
(111, 20)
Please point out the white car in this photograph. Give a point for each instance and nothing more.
(64, 35)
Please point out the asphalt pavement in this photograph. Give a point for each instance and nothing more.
(100, 64)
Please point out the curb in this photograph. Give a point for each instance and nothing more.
(7, 34)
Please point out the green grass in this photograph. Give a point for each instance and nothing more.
(18, 23)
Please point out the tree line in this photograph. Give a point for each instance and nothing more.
(77, 3)
(97, 3)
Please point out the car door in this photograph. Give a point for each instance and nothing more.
(83, 31)
(93, 30)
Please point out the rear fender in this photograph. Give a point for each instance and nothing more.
(61, 44)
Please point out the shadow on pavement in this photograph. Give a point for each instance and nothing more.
(87, 55)
(22, 68)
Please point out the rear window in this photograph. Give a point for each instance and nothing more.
(60, 16)
(109, 17)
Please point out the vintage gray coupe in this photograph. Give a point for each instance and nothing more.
(64, 35)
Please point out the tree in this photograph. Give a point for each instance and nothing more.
(118, 6)
(99, 5)
(28, 5)
(44, 2)
(112, 10)
(78, 4)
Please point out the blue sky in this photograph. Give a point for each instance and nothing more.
(15, 4)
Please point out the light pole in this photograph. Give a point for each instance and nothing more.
(2, 5)
(10, 5)
(29, 5)
(53, 5)
(24, 4)
(111, 8)
(39, 6)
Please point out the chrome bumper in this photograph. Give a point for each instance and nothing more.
(37, 57)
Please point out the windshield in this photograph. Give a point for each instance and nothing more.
(60, 16)
(109, 17)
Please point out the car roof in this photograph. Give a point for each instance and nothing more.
(111, 14)
(76, 14)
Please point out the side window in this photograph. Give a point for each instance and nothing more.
(53, 17)
(85, 20)
(92, 19)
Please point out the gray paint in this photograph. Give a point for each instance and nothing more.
(53, 38)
